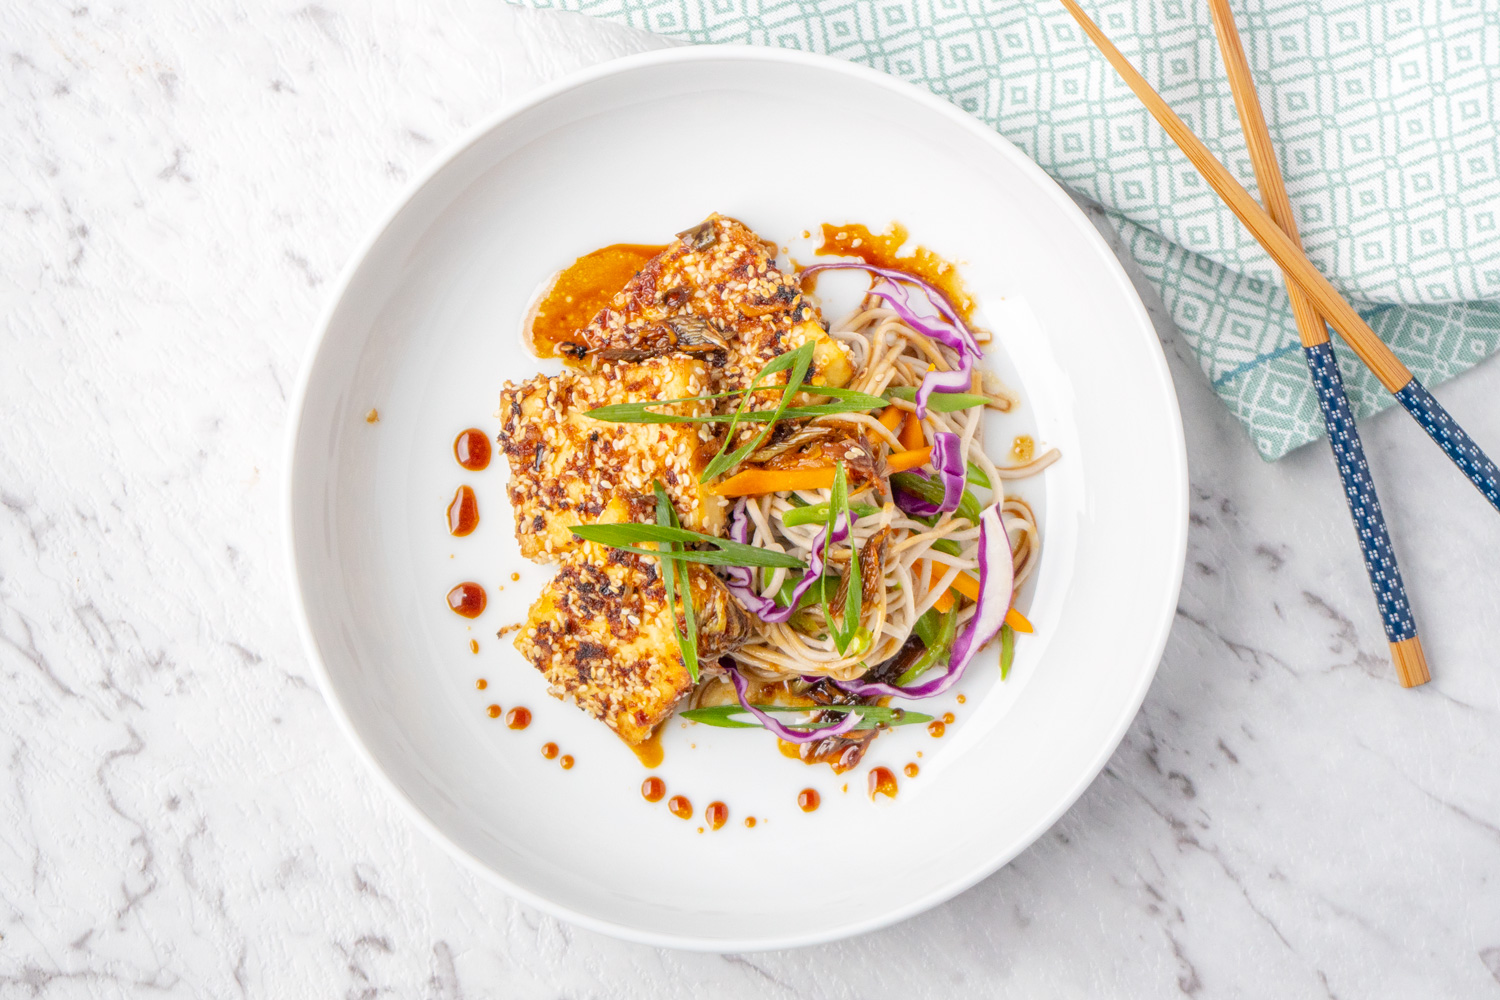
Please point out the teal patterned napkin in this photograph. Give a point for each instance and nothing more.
(1384, 113)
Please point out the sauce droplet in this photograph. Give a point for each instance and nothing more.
(566, 762)
(649, 751)
(578, 293)
(467, 599)
(514, 577)
(373, 417)
(911, 770)
(808, 799)
(549, 750)
(472, 449)
(653, 788)
(518, 717)
(962, 699)
(1023, 448)
(882, 782)
(463, 513)
(474, 646)
(935, 728)
(481, 684)
(750, 822)
(680, 806)
(494, 711)
(716, 815)
(948, 718)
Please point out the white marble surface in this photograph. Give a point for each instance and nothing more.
(178, 814)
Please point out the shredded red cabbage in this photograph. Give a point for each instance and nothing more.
(996, 587)
(948, 460)
(848, 722)
(741, 579)
(946, 326)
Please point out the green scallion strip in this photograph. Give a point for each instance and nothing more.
(1007, 649)
(938, 402)
(978, 478)
(726, 553)
(931, 490)
(687, 637)
(798, 361)
(818, 512)
(723, 716)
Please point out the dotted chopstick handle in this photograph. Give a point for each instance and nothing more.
(1443, 429)
(1359, 489)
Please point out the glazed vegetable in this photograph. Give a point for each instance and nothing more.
(759, 482)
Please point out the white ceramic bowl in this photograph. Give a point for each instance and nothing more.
(423, 327)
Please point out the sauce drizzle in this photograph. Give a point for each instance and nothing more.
(882, 782)
(566, 762)
(494, 711)
(653, 788)
(749, 822)
(472, 449)
(911, 770)
(467, 599)
(808, 799)
(649, 751)
(549, 750)
(854, 240)
(936, 728)
(716, 815)
(680, 806)
(578, 293)
(518, 717)
(463, 513)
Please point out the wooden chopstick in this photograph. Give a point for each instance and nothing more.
(1359, 488)
(1283, 249)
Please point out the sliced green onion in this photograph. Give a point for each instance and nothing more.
(1007, 649)
(939, 648)
(723, 716)
(687, 637)
(818, 512)
(978, 478)
(931, 490)
(939, 402)
(727, 553)
(798, 361)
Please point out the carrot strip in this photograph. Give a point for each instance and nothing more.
(758, 482)
(891, 418)
(1017, 621)
(905, 461)
(912, 437)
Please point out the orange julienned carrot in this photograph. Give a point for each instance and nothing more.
(965, 584)
(912, 437)
(757, 482)
(891, 418)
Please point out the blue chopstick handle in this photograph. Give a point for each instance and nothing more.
(1443, 429)
(1359, 489)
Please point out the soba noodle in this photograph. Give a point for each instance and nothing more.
(886, 352)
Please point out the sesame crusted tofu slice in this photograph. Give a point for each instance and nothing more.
(716, 291)
(602, 635)
(566, 468)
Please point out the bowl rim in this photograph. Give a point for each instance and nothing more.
(297, 405)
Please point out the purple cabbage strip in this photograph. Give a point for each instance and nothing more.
(848, 722)
(741, 579)
(948, 460)
(996, 587)
(947, 328)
